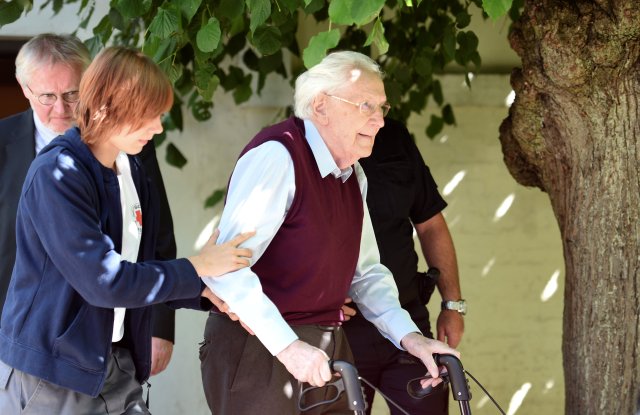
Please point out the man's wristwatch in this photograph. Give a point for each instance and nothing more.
(460, 306)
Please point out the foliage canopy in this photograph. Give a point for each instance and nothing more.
(204, 45)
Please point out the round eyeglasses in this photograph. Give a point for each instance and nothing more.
(70, 97)
(365, 107)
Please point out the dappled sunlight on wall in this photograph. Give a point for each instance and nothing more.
(509, 254)
(548, 385)
(518, 398)
(206, 233)
(453, 183)
(504, 207)
(551, 287)
(487, 268)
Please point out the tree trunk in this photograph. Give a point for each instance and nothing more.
(573, 132)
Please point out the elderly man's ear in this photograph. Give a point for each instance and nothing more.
(320, 109)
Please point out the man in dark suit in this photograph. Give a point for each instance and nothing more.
(48, 69)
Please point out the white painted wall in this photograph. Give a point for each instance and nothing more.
(512, 341)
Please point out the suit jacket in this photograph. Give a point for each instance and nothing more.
(17, 150)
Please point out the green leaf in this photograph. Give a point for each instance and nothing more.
(57, 6)
(208, 37)
(27, 5)
(259, 10)
(434, 127)
(318, 46)
(437, 92)
(417, 100)
(189, 8)
(132, 8)
(104, 29)
(235, 44)
(174, 157)
(394, 92)
(159, 49)
(312, 6)
(475, 58)
(496, 8)
(449, 42)
(363, 11)
(270, 63)
(290, 5)
(174, 116)
(243, 92)
(250, 59)
(166, 22)
(377, 37)
(158, 139)
(230, 9)
(233, 79)
(175, 72)
(214, 198)
(267, 39)
(447, 115)
(463, 19)
(516, 9)
(150, 46)
(423, 66)
(9, 12)
(201, 110)
(206, 82)
(468, 41)
(85, 21)
(116, 19)
(94, 44)
(340, 12)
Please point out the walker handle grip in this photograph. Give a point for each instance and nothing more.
(351, 383)
(459, 384)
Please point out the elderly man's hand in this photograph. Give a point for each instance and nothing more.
(423, 348)
(306, 363)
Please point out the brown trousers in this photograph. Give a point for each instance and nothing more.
(240, 376)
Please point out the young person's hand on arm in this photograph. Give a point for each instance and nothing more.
(215, 260)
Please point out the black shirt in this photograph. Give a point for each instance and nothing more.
(401, 191)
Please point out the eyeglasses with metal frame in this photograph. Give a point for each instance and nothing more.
(365, 107)
(70, 97)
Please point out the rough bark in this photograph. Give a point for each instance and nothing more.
(573, 131)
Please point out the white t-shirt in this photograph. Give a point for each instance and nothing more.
(131, 229)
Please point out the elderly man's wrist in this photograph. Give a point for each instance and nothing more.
(409, 338)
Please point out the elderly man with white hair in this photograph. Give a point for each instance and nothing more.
(299, 185)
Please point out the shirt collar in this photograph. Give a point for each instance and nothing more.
(326, 164)
(44, 135)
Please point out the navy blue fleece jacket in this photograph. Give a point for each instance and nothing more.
(68, 276)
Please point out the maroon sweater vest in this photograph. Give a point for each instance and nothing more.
(308, 267)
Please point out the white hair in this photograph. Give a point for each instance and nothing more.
(49, 49)
(332, 73)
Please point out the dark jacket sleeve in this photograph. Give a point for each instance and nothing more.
(87, 257)
(163, 316)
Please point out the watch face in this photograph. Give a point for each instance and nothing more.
(462, 307)
(459, 306)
